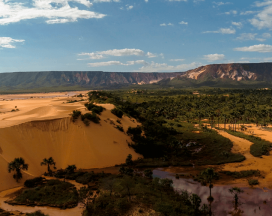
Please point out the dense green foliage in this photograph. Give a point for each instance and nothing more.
(123, 194)
(117, 112)
(53, 193)
(31, 183)
(242, 174)
(94, 108)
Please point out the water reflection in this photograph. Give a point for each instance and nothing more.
(253, 202)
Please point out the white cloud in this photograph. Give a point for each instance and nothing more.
(269, 59)
(146, 0)
(129, 7)
(183, 23)
(151, 55)
(110, 63)
(157, 67)
(246, 36)
(7, 42)
(223, 31)
(237, 24)
(264, 17)
(221, 3)
(114, 52)
(176, 60)
(169, 24)
(234, 12)
(55, 11)
(248, 12)
(262, 48)
(177, 0)
(266, 35)
(214, 57)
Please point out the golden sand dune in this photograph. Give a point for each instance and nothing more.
(43, 128)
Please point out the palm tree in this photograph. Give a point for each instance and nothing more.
(49, 162)
(236, 191)
(209, 174)
(17, 165)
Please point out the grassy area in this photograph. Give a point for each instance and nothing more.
(53, 193)
(242, 174)
(260, 147)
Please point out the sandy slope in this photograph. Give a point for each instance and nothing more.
(43, 128)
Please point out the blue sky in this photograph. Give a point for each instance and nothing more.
(127, 35)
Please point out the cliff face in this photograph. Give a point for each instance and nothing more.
(236, 72)
(28, 80)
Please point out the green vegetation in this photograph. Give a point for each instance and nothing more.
(94, 108)
(124, 194)
(49, 162)
(76, 114)
(253, 182)
(91, 117)
(31, 183)
(242, 174)
(117, 112)
(17, 165)
(120, 128)
(260, 147)
(52, 193)
(36, 213)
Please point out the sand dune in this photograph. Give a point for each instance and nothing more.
(43, 128)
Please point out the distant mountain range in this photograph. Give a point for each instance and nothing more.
(237, 75)
(75, 80)
(224, 75)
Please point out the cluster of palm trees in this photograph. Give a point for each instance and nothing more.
(18, 165)
(216, 109)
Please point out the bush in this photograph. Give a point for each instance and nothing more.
(86, 122)
(252, 182)
(119, 113)
(91, 117)
(30, 183)
(54, 193)
(120, 128)
(36, 213)
(95, 109)
(76, 114)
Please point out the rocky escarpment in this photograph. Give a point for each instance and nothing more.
(89, 79)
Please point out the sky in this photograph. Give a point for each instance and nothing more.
(132, 35)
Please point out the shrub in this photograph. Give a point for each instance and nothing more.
(120, 128)
(30, 183)
(76, 114)
(36, 213)
(252, 182)
(119, 113)
(92, 117)
(86, 122)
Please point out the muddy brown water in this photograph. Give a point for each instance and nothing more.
(254, 201)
